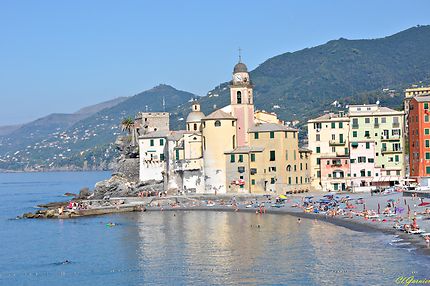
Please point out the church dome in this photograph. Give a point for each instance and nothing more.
(195, 116)
(240, 67)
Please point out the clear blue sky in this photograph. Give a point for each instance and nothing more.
(58, 56)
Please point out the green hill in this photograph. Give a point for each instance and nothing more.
(298, 85)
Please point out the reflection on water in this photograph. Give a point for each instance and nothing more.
(184, 248)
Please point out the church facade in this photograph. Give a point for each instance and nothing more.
(234, 149)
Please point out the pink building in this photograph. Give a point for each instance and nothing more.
(363, 171)
(335, 173)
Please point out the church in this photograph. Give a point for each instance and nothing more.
(235, 149)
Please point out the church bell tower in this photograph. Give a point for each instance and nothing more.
(242, 102)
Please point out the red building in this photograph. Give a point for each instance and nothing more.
(419, 139)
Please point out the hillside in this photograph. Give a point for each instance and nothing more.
(305, 83)
(298, 85)
(87, 141)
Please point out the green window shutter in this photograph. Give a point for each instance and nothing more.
(256, 135)
(272, 134)
(426, 118)
(427, 143)
(333, 125)
(426, 105)
(426, 131)
(232, 158)
(240, 158)
(151, 142)
(428, 170)
(161, 142)
(252, 157)
(369, 173)
(354, 134)
(289, 180)
(161, 157)
(252, 182)
(272, 155)
(318, 161)
(340, 124)
(341, 138)
(318, 150)
(367, 145)
(396, 158)
(427, 156)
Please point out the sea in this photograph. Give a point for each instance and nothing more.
(184, 247)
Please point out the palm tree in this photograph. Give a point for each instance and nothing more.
(127, 124)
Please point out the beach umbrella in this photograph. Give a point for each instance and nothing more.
(283, 197)
(423, 204)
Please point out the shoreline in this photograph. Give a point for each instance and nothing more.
(352, 224)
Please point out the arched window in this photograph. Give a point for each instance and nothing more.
(239, 97)
(195, 107)
(195, 126)
(217, 123)
(289, 168)
(234, 141)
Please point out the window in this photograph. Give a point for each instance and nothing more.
(354, 134)
(341, 138)
(232, 123)
(355, 122)
(426, 118)
(427, 170)
(195, 126)
(318, 137)
(333, 125)
(272, 169)
(286, 134)
(161, 157)
(361, 159)
(240, 158)
(426, 105)
(232, 159)
(177, 154)
(256, 135)
(426, 131)
(252, 157)
(340, 124)
(233, 141)
(371, 160)
(151, 142)
(286, 155)
(217, 123)
(253, 171)
(369, 173)
(366, 134)
(318, 150)
(295, 168)
(252, 182)
(367, 145)
(318, 161)
(239, 97)
(272, 180)
(301, 166)
(352, 161)
(241, 170)
(383, 120)
(333, 137)
(272, 134)
(427, 156)
(161, 142)
(272, 155)
(427, 143)
(367, 120)
(297, 180)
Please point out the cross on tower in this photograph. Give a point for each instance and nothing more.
(240, 55)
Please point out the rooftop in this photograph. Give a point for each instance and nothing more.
(268, 127)
(330, 117)
(219, 114)
(244, 149)
(422, 98)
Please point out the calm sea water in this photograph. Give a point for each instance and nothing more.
(183, 248)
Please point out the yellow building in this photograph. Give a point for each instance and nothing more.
(219, 135)
(272, 162)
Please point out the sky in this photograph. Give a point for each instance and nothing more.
(59, 56)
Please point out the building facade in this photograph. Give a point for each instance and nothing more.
(419, 139)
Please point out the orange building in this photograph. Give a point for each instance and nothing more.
(419, 139)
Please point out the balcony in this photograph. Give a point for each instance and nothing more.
(390, 138)
(388, 151)
(336, 143)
